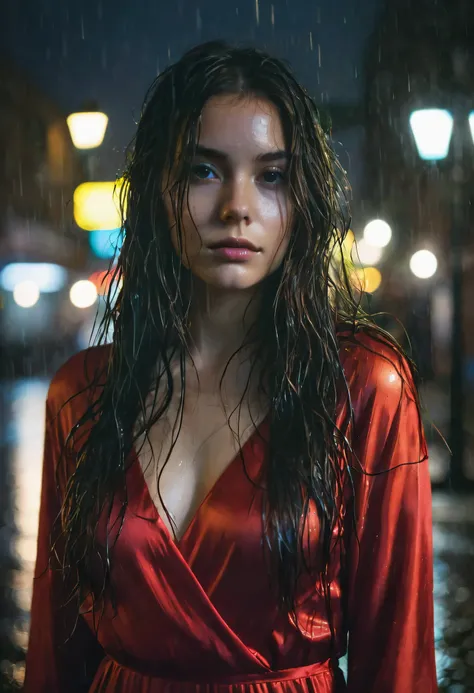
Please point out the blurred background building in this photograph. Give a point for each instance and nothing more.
(39, 170)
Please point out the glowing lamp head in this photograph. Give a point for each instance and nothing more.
(87, 129)
(432, 129)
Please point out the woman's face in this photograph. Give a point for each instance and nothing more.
(236, 223)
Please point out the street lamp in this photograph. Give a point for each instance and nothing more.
(432, 130)
(87, 128)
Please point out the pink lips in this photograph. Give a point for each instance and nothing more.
(234, 249)
(234, 254)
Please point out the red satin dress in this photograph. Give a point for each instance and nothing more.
(199, 616)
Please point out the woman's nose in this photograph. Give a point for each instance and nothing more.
(236, 203)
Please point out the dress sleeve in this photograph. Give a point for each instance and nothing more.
(390, 590)
(52, 664)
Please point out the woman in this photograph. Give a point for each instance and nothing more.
(238, 484)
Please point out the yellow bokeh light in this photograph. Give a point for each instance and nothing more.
(342, 251)
(367, 279)
(96, 205)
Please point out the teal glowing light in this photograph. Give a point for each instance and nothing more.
(104, 243)
(432, 129)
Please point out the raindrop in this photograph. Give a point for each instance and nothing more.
(319, 55)
(272, 15)
(20, 178)
(257, 13)
(82, 28)
(318, 15)
(198, 19)
(311, 40)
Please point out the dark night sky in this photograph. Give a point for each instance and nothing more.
(111, 51)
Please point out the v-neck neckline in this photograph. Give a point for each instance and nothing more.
(220, 479)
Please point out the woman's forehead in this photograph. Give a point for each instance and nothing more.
(241, 124)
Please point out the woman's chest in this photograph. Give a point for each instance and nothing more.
(182, 463)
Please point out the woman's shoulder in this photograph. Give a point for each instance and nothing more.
(374, 366)
(78, 376)
(387, 430)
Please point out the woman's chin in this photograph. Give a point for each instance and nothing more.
(231, 278)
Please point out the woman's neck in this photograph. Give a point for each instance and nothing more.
(220, 322)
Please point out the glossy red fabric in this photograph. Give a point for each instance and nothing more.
(198, 616)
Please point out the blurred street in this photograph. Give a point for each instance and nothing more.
(23, 405)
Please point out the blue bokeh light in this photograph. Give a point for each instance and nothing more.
(48, 277)
(103, 243)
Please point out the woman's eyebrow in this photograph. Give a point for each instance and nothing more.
(273, 155)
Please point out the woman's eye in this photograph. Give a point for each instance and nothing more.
(203, 172)
(273, 176)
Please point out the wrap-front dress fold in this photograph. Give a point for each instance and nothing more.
(199, 616)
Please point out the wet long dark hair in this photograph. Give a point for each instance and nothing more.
(296, 349)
